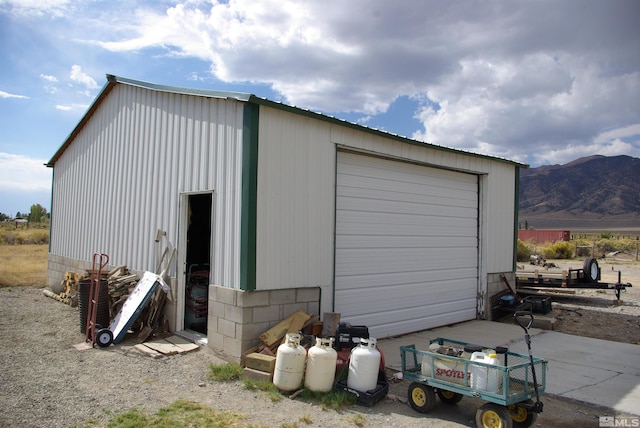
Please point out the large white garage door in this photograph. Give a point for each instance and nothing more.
(406, 245)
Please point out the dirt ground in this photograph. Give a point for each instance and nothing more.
(595, 312)
(45, 381)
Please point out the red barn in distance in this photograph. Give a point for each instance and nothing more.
(544, 235)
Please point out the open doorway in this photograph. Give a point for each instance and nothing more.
(198, 258)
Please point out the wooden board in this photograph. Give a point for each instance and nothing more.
(148, 351)
(165, 347)
(257, 375)
(330, 323)
(298, 321)
(277, 332)
(261, 362)
(182, 343)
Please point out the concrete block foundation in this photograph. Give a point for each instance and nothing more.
(237, 318)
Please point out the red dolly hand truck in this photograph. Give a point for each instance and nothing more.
(100, 261)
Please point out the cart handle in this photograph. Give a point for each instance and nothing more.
(523, 314)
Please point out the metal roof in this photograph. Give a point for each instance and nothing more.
(250, 98)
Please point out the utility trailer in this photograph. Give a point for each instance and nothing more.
(587, 277)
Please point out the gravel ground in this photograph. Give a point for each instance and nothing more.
(45, 381)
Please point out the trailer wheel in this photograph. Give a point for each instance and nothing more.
(449, 397)
(491, 415)
(104, 337)
(422, 398)
(522, 417)
(591, 270)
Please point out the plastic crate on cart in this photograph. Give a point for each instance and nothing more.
(367, 398)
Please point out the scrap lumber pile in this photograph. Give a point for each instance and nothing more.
(121, 283)
(259, 361)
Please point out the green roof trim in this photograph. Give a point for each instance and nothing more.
(240, 96)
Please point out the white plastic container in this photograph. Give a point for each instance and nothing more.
(364, 365)
(321, 366)
(484, 378)
(290, 359)
(494, 376)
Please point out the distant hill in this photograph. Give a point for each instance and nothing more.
(595, 192)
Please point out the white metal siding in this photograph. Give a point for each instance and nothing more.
(121, 178)
(406, 245)
(295, 203)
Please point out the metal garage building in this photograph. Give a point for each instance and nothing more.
(284, 209)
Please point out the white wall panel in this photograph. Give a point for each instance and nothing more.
(128, 166)
(295, 210)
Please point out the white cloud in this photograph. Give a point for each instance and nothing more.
(498, 77)
(4, 94)
(617, 134)
(48, 78)
(78, 76)
(55, 8)
(72, 107)
(23, 173)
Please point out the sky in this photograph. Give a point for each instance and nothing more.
(538, 82)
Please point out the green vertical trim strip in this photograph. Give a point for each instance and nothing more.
(335, 227)
(516, 214)
(248, 211)
(53, 173)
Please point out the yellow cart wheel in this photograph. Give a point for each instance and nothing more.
(422, 398)
(522, 418)
(449, 397)
(492, 415)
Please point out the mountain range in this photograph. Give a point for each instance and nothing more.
(595, 192)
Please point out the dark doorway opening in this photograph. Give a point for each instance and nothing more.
(198, 263)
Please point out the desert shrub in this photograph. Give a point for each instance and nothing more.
(38, 237)
(607, 245)
(524, 251)
(604, 246)
(558, 250)
(37, 234)
(583, 251)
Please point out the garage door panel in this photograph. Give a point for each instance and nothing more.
(446, 197)
(357, 230)
(406, 245)
(421, 218)
(405, 296)
(415, 319)
(394, 172)
(399, 260)
(401, 239)
(446, 276)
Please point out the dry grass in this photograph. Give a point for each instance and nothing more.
(23, 265)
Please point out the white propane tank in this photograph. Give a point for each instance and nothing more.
(364, 365)
(321, 366)
(485, 378)
(290, 359)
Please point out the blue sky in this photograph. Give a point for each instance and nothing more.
(539, 82)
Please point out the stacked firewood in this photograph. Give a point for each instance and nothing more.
(69, 295)
(121, 283)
